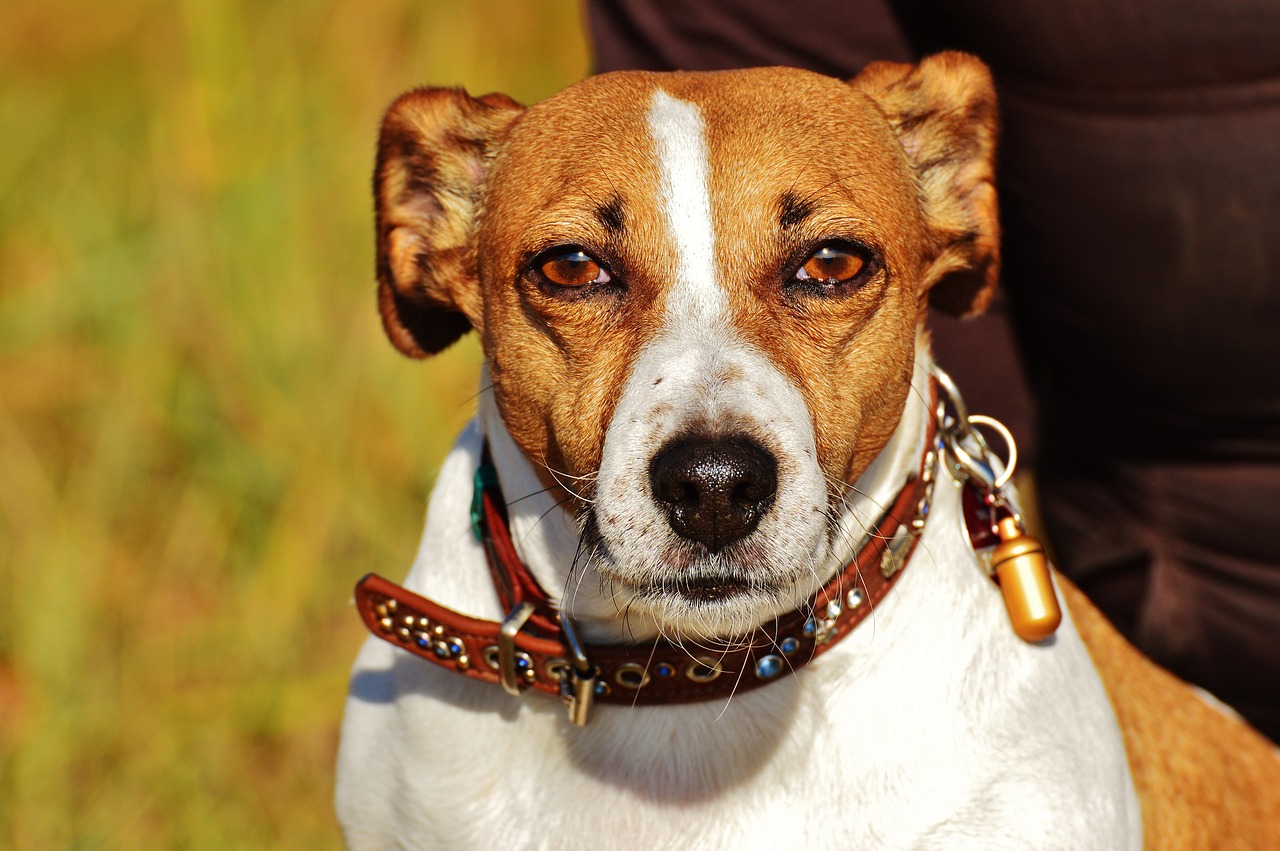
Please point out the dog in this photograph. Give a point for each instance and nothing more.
(702, 299)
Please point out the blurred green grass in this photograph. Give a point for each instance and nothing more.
(204, 439)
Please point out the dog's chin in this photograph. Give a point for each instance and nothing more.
(684, 591)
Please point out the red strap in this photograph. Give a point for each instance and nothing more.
(511, 578)
(660, 672)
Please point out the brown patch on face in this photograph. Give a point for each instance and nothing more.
(900, 164)
(559, 362)
(729, 373)
(785, 181)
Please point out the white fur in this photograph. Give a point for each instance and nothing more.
(680, 149)
(930, 726)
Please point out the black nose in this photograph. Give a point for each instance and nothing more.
(715, 489)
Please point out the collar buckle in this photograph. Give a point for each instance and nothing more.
(578, 687)
(514, 668)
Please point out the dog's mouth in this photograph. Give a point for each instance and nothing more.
(706, 591)
(689, 598)
(711, 590)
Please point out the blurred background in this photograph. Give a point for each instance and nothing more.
(204, 438)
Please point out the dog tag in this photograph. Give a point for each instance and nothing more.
(1022, 571)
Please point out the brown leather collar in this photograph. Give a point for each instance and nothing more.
(536, 649)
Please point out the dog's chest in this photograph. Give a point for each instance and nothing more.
(948, 734)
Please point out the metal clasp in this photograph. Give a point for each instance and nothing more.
(509, 677)
(578, 688)
(961, 439)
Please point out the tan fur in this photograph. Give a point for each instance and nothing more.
(433, 154)
(1205, 779)
(559, 365)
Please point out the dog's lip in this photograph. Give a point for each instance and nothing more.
(712, 589)
(705, 590)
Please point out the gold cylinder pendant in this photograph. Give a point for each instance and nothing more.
(1022, 571)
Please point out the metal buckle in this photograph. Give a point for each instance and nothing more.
(507, 647)
(578, 689)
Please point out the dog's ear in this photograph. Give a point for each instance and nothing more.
(944, 114)
(433, 155)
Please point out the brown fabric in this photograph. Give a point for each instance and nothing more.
(832, 37)
(1158, 564)
(1140, 193)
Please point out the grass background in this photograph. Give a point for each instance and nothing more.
(204, 438)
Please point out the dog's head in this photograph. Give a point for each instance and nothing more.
(698, 297)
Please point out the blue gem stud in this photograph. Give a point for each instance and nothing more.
(789, 645)
(810, 628)
(768, 667)
(664, 669)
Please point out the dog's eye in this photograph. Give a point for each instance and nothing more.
(572, 267)
(834, 263)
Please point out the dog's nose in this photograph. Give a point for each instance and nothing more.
(715, 489)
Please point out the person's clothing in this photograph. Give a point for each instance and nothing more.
(1140, 188)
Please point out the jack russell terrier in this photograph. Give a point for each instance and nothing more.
(718, 498)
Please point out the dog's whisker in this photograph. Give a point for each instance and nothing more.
(580, 497)
(567, 601)
(541, 517)
(488, 388)
(539, 492)
(560, 477)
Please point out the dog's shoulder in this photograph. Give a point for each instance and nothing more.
(1201, 773)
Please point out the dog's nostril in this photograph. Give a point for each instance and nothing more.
(715, 490)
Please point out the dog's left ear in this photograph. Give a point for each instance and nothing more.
(944, 114)
(433, 157)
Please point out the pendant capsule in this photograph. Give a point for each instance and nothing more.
(1022, 571)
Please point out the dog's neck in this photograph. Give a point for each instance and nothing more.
(547, 534)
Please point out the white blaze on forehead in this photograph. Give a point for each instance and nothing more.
(699, 377)
(680, 146)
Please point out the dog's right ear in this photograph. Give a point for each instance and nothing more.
(943, 112)
(433, 156)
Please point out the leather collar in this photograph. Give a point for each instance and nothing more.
(535, 648)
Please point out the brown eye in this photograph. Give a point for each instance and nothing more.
(831, 264)
(573, 267)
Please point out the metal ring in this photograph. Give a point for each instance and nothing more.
(556, 669)
(631, 675)
(703, 669)
(1005, 435)
(979, 468)
(952, 393)
(975, 468)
